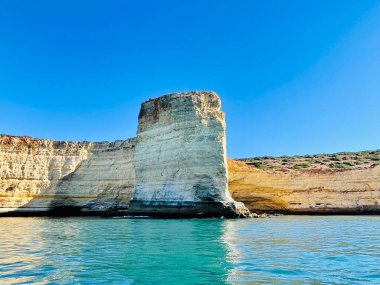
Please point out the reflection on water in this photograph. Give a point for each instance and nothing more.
(283, 250)
(304, 250)
(111, 251)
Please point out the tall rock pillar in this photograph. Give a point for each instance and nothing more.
(180, 160)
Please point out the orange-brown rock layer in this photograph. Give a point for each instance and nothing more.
(305, 190)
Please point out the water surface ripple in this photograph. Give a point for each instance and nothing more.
(280, 250)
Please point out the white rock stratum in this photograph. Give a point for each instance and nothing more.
(175, 168)
(180, 159)
(41, 176)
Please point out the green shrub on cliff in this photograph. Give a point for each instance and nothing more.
(340, 165)
(261, 166)
(301, 165)
(335, 158)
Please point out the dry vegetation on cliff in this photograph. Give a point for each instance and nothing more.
(337, 161)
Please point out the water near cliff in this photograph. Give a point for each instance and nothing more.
(281, 250)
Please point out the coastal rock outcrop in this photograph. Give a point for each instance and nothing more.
(180, 159)
(30, 168)
(64, 177)
(176, 167)
(103, 182)
(306, 191)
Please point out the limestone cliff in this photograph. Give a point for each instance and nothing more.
(176, 167)
(29, 168)
(41, 175)
(104, 181)
(302, 190)
(180, 159)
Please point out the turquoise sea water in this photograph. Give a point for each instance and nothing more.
(278, 250)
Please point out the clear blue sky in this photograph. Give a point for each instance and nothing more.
(295, 77)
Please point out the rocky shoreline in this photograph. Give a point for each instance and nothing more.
(177, 167)
(306, 191)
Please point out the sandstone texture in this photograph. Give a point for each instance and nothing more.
(104, 181)
(42, 175)
(180, 159)
(30, 168)
(176, 167)
(306, 191)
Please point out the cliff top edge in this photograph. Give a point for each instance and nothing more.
(182, 94)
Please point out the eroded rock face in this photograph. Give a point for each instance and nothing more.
(104, 181)
(180, 158)
(306, 191)
(175, 168)
(42, 175)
